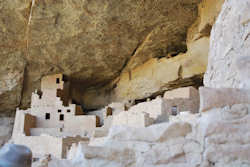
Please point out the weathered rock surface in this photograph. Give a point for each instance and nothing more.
(91, 41)
(171, 70)
(220, 97)
(228, 64)
(6, 126)
(11, 80)
(226, 140)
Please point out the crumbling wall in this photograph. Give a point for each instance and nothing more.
(155, 108)
(67, 142)
(23, 123)
(29, 122)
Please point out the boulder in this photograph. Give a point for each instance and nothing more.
(12, 155)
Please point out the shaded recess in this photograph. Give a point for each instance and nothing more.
(89, 41)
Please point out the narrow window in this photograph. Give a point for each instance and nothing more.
(57, 80)
(47, 116)
(40, 93)
(68, 110)
(59, 110)
(174, 110)
(61, 118)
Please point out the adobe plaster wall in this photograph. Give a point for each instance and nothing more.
(132, 119)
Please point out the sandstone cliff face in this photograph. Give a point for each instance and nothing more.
(171, 70)
(229, 60)
(91, 41)
(111, 50)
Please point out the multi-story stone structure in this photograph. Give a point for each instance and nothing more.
(52, 122)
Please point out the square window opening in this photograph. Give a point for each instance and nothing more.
(59, 110)
(61, 118)
(68, 110)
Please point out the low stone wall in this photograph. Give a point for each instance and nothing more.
(41, 145)
(48, 131)
(132, 119)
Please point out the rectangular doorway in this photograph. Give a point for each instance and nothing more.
(61, 117)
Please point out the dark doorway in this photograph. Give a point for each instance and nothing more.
(57, 80)
(61, 117)
(47, 116)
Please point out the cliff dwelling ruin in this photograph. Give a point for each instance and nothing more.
(50, 127)
(121, 83)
